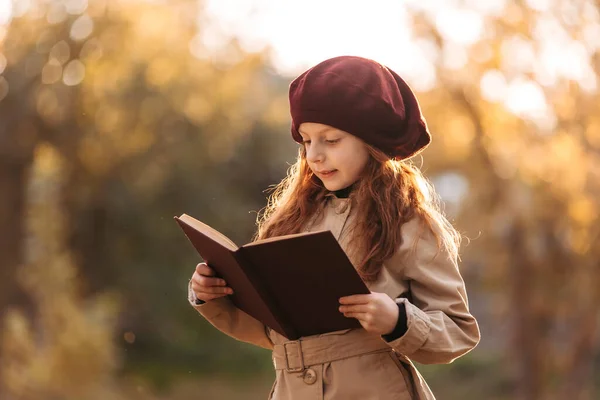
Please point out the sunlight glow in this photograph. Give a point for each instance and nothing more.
(455, 56)
(526, 99)
(591, 36)
(20, 7)
(460, 26)
(300, 37)
(82, 28)
(518, 55)
(51, 72)
(298, 34)
(76, 7)
(488, 7)
(539, 5)
(57, 13)
(73, 73)
(452, 188)
(562, 56)
(524, 96)
(6, 11)
(493, 86)
(3, 62)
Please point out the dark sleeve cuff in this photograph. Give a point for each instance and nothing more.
(401, 325)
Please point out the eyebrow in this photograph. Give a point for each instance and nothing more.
(330, 128)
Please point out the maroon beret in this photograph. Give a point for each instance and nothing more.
(364, 98)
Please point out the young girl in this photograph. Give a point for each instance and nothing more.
(357, 122)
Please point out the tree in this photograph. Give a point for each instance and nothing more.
(533, 179)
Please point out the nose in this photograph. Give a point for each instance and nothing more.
(314, 153)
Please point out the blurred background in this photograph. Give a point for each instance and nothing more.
(116, 115)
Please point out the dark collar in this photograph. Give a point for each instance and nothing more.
(343, 193)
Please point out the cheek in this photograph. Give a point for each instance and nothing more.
(353, 169)
(351, 161)
(357, 171)
(359, 163)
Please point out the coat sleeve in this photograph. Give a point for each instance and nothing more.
(229, 319)
(440, 327)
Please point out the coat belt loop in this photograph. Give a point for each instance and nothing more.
(302, 367)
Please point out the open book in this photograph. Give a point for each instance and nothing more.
(290, 283)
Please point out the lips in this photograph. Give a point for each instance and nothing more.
(326, 173)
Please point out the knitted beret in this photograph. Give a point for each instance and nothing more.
(364, 98)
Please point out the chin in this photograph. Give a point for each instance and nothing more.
(333, 187)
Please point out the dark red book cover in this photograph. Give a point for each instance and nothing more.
(290, 283)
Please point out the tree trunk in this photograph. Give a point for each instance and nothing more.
(13, 186)
(524, 319)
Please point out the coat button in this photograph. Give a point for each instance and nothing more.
(310, 376)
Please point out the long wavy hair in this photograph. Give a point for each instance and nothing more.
(388, 194)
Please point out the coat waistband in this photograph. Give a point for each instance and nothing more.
(297, 355)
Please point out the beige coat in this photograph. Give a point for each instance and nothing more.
(354, 364)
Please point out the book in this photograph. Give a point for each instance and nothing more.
(291, 283)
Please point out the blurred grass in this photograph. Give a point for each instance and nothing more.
(221, 387)
(467, 378)
(470, 377)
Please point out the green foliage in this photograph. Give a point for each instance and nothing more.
(66, 351)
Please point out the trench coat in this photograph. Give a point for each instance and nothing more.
(354, 364)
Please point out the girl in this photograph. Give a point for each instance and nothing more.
(357, 122)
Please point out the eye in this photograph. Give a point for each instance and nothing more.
(332, 141)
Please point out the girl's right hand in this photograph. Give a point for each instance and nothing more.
(206, 286)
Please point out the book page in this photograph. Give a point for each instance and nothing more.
(276, 238)
(208, 231)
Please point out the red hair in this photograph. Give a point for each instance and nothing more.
(389, 194)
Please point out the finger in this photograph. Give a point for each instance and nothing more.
(355, 299)
(361, 308)
(209, 296)
(363, 317)
(204, 269)
(211, 289)
(208, 281)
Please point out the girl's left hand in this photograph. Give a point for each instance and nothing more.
(376, 312)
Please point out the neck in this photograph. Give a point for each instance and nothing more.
(343, 193)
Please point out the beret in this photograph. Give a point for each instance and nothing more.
(364, 98)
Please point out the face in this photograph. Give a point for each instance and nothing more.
(336, 157)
